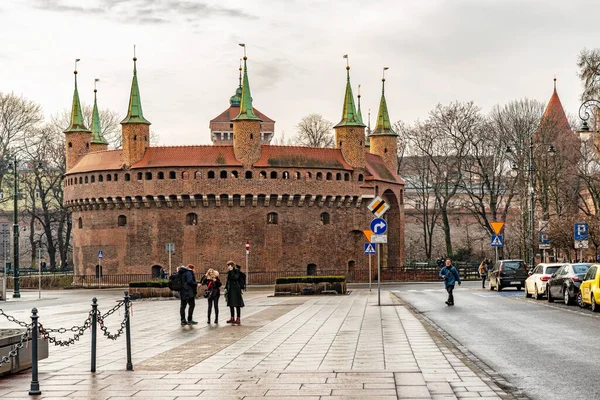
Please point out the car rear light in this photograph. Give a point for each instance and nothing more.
(545, 278)
(575, 279)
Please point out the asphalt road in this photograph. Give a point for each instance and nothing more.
(549, 350)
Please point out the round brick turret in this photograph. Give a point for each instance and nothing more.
(246, 141)
(350, 139)
(77, 145)
(386, 146)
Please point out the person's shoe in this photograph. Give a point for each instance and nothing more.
(237, 321)
(450, 304)
(183, 323)
(216, 321)
(208, 322)
(230, 321)
(192, 322)
(447, 303)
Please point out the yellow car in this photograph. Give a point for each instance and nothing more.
(589, 291)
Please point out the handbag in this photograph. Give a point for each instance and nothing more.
(208, 291)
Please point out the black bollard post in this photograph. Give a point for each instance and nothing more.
(94, 323)
(128, 332)
(34, 388)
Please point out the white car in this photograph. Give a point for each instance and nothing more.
(536, 283)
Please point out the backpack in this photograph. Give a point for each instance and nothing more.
(242, 280)
(175, 282)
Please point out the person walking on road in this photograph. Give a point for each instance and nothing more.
(483, 271)
(233, 292)
(450, 276)
(213, 285)
(187, 294)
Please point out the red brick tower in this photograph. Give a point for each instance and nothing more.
(77, 135)
(246, 128)
(383, 140)
(350, 131)
(136, 128)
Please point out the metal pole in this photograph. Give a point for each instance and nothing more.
(369, 272)
(40, 272)
(94, 323)
(378, 274)
(247, 276)
(16, 292)
(496, 248)
(34, 388)
(170, 260)
(128, 332)
(531, 201)
(99, 272)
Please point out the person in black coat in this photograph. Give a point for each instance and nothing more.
(187, 294)
(233, 292)
(213, 285)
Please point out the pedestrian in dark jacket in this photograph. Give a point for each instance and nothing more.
(233, 293)
(450, 276)
(187, 294)
(213, 285)
(483, 271)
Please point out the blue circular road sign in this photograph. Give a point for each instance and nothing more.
(378, 226)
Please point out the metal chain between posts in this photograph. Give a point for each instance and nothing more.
(104, 328)
(13, 319)
(13, 352)
(79, 331)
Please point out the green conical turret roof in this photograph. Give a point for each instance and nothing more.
(77, 124)
(246, 110)
(236, 99)
(97, 137)
(383, 126)
(349, 115)
(134, 114)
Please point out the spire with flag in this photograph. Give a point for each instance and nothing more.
(77, 124)
(358, 112)
(349, 115)
(383, 125)
(97, 137)
(134, 113)
(246, 109)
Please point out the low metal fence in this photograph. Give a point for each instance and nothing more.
(117, 280)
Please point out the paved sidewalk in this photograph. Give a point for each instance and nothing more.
(334, 347)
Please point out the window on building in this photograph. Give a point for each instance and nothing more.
(211, 174)
(191, 219)
(80, 180)
(296, 175)
(70, 144)
(273, 174)
(263, 175)
(140, 176)
(172, 175)
(308, 175)
(252, 136)
(338, 177)
(329, 176)
(272, 218)
(160, 175)
(325, 218)
(361, 177)
(93, 179)
(223, 174)
(108, 178)
(311, 269)
(135, 137)
(86, 179)
(385, 150)
(248, 174)
(198, 175)
(234, 174)
(87, 146)
(185, 175)
(80, 223)
(121, 220)
(346, 177)
(351, 265)
(116, 177)
(285, 175)
(127, 177)
(148, 176)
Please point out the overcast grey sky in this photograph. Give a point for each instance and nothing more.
(487, 51)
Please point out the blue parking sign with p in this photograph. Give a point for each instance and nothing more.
(581, 230)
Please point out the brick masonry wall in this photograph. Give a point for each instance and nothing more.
(77, 144)
(98, 147)
(350, 139)
(246, 141)
(387, 148)
(136, 137)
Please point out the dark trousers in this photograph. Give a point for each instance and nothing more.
(239, 312)
(213, 302)
(483, 277)
(187, 302)
(449, 289)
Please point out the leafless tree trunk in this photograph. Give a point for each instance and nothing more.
(314, 131)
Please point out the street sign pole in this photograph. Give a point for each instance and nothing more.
(170, 261)
(378, 274)
(99, 272)
(369, 272)
(247, 254)
(39, 261)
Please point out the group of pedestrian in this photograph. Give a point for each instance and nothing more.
(236, 282)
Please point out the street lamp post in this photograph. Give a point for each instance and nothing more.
(13, 166)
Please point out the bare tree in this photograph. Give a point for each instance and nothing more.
(589, 73)
(314, 131)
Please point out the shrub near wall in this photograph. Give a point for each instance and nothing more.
(318, 284)
(157, 288)
(48, 282)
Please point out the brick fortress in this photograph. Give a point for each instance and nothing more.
(303, 209)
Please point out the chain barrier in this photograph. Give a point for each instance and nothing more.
(16, 321)
(13, 352)
(104, 328)
(79, 331)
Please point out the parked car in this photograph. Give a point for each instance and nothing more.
(508, 273)
(589, 291)
(536, 283)
(564, 283)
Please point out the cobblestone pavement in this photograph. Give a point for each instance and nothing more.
(325, 347)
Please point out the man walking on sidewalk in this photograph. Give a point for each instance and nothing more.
(189, 289)
(450, 276)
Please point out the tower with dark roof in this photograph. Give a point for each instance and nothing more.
(77, 135)
(383, 140)
(135, 128)
(350, 131)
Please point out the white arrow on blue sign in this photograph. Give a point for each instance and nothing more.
(100, 255)
(497, 240)
(378, 226)
(369, 248)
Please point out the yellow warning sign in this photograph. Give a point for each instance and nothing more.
(368, 234)
(497, 227)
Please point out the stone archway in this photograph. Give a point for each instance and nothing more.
(156, 271)
(311, 269)
(390, 252)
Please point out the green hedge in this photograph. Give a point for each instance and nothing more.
(310, 279)
(157, 283)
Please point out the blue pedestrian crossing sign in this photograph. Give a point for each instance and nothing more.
(100, 255)
(497, 241)
(369, 248)
(378, 226)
